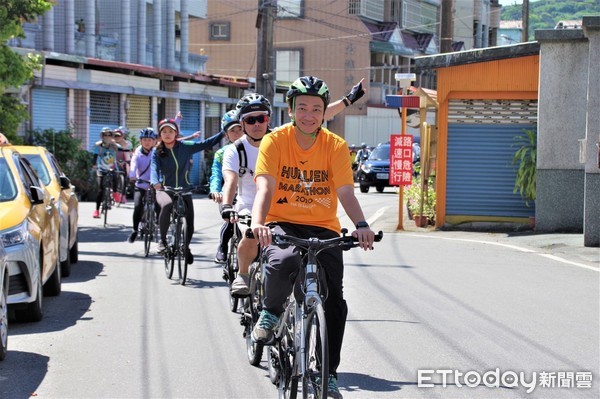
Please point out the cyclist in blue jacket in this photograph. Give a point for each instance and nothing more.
(230, 124)
(170, 166)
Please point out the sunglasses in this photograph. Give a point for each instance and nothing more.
(107, 134)
(251, 120)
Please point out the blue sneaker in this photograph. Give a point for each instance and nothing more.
(263, 330)
(332, 389)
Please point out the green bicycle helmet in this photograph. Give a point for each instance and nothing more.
(308, 86)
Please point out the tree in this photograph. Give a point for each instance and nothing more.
(15, 69)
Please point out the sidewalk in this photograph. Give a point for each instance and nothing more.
(568, 247)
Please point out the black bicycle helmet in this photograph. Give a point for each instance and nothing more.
(308, 86)
(253, 102)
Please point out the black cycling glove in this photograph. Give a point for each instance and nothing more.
(355, 94)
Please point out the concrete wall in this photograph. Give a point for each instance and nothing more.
(568, 186)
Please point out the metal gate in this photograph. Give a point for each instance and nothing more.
(480, 174)
(104, 111)
(139, 110)
(49, 110)
(190, 124)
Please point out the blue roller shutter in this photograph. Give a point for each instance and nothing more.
(49, 109)
(190, 124)
(480, 174)
(104, 111)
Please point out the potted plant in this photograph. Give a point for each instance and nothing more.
(425, 213)
(526, 160)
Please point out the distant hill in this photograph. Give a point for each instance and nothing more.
(545, 14)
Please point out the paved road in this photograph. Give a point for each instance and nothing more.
(420, 301)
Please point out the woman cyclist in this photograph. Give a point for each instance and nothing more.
(140, 169)
(170, 166)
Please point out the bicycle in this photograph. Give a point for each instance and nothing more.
(148, 224)
(230, 268)
(299, 352)
(177, 247)
(251, 309)
(107, 194)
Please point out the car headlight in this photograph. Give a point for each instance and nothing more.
(15, 236)
(365, 167)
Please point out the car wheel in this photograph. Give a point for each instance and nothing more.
(379, 189)
(74, 252)
(53, 285)
(4, 319)
(65, 266)
(364, 188)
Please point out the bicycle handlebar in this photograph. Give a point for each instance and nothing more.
(344, 241)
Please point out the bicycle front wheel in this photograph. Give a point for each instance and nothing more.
(169, 255)
(181, 250)
(316, 355)
(254, 349)
(231, 273)
(106, 204)
(148, 231)
(283, 361)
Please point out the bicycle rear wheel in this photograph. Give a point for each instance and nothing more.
(316, 360)
(181, 250)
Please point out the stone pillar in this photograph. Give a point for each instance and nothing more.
(170, 34)
(561, 124)
(48, 30)
(158, 23)
(141, 32)
(591, 209)
(184, 38)
(70, 26)
(90, 30)
(125, 34)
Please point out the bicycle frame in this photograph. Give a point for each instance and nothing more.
(107, 198)
(300, 315)
(177, 232)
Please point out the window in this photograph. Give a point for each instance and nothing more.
(290, 8)
(288, 65)
(219, 31)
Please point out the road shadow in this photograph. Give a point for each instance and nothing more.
(83, 270)
(356, 382)
(21, 373)
(60, 313)
(108, 234)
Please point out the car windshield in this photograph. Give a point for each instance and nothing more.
(39, 166)
(8, 189)
(381, 153)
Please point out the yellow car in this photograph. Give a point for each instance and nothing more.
(29, 230)
(58, 184)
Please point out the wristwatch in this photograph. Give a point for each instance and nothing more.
(362, 224)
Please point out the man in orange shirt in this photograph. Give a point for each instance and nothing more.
(301, 172)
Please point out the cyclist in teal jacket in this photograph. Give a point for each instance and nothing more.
(170, 167)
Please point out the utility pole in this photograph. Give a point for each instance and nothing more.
(525, 22)
(447, 30)
(265, 57)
